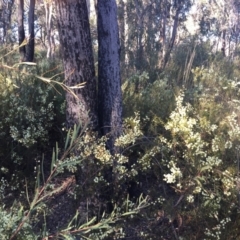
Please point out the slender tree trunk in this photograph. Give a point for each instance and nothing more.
(88, 7)
(121, 23)
(173, 37)
(139, 54)
(48, 19)
(1, 19)
(31, 41)
(109, 90)
(165, 13)
(223, 49)
(76, 47)
(5, 18)
(21, 31)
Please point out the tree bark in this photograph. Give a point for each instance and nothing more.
(109, 90)
(173, 37)
(31, 41)
(121, 23)
(165, 13)
(223, 49)
(88, 7)
(6, 8)
(76, 47)
(140, 16)
(21, 31)
(48, 5)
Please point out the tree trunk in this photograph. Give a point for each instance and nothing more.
(165, 13)
(30, 45)
(173, 37)
(88, 7)
(6, 8)
(48, 19)
(139, 55)
(121, 23)
(76, 47)
(223, 49)
(21, 31)
(109, 90)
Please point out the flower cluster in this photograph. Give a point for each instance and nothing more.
(132, 131)
(216, 232)
(229, 183)
(175, 173)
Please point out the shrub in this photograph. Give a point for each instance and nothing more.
(29, 114)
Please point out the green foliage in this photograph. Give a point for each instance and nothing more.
(10, 220)
(191, 53)
(193, 154)
(153, 100)
(179, 149)
(19, 224)
(198, 159)
(30, 112)
(197, 156)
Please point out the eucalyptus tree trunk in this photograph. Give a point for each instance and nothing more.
(223, 49)
(173, 36)
(109, 89)
(165, 13)
(31, 41)
(21, 31)
(76, 48)
(122, 29)
(6, 8)
(140, 15)
(88, 7)
(48, 5)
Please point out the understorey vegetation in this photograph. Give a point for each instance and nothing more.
(176, 175)
(119, 120)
